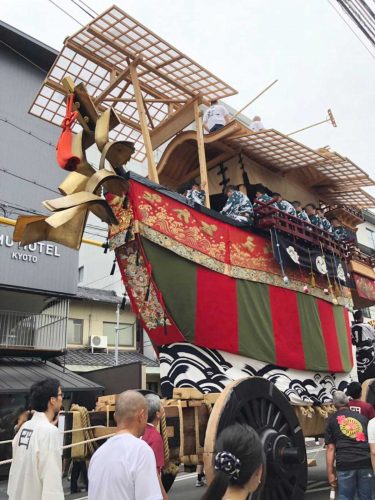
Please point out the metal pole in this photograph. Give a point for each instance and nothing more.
(117, 329)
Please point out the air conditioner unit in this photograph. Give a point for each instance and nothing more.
(98, 342)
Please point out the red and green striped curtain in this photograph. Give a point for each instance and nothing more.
(259, 321)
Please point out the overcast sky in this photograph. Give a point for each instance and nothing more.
(318, 61)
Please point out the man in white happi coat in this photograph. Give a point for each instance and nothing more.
(36, 469)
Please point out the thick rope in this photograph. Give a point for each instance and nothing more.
(163, 428)
(88, 434)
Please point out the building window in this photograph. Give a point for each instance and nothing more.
(371, 238)
(75, 331)
(81, 273)
(126, 334)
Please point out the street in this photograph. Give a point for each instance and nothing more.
(184, 486)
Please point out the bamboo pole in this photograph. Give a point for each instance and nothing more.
(253, 100)
(201, 152)
(12, 222)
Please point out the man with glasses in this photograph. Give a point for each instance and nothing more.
(36, 470)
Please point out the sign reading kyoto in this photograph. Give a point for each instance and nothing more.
(39, 266)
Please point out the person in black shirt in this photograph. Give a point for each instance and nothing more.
(346, 440)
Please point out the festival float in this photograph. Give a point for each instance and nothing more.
(250, 322)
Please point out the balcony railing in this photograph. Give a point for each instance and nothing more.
(267, 216)
(32, 332)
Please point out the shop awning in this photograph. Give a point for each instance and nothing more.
(19, 374)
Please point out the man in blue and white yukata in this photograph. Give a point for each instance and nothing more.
(261, 195)
(326, 225)
(196, 194)
(315, 220)
(301, 214)
(238, 205)
(284, 205)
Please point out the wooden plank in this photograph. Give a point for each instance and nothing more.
(152, 173)
(201, 152)
(175, 123)
(186, 393)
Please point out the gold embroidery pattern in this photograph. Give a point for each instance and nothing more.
(125, 217)
(137, 280)
(233, 271)
(188, 235)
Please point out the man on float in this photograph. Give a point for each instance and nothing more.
(238, 205)
(261, 195)
(340, 233)
(215, 117)
(315, 220)
(196, 193)
(324, 221)
(301, 214)
(284, 205)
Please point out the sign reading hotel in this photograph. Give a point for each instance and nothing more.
(43, 266)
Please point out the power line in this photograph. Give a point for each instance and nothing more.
(84, 10)
(352, 10)
(90, 8)
(351, 29)
(28, 132)
(30, 181)
(65, 12)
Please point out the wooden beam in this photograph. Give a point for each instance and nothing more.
(165, 101)
(201, 152)
(148, 114)
(152, 173)
(145, 64)
(100, 62)
(115, 81)
(173, 124)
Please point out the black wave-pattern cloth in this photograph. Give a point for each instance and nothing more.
(210, 370)
(289, 251)
(228, 463)
(363, 337)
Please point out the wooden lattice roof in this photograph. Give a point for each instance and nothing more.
(275, 150)
(101, 52)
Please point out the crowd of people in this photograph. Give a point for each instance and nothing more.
(128, 465)
(239, 207)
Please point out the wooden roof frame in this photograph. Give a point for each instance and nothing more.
(100, 55)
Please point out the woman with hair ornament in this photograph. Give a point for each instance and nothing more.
(238, 463)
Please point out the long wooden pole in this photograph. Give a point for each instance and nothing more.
(253, 100)
(201, 152)
(330, 118)
(152, 172)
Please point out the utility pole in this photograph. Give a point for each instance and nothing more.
(117, 332)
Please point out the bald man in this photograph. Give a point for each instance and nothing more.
(124, 467)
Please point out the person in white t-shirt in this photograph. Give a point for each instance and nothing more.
(256, 125)
(215, 117)
(124, 468)
(36, 469)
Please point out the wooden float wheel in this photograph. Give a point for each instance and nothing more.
(258, 403)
